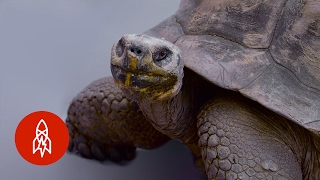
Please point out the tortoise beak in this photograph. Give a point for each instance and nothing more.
(129, 66)
(139, 80)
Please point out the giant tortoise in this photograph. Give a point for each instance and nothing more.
(237, 81)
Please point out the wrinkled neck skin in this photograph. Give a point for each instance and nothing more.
(303, 143)
(172, 117)
(305, 146)
(176, 117)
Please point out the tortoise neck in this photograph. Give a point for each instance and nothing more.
(303, 143)
(173, 117)
(176, 117)
(310, 156)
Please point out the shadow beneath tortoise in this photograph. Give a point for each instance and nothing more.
(171, 161)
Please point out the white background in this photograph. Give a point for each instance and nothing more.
(49, 51)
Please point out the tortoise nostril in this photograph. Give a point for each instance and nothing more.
(136, 50)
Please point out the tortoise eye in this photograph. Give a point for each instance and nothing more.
(161, 54)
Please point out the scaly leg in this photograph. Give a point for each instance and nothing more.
(103, 123)
(240, 139)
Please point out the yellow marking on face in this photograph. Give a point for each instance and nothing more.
(132, 67)
(133, 64)
(128, 79)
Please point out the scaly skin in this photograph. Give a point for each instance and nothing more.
(241, 139)
(103, 123)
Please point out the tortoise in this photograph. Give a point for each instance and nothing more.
(238, 82)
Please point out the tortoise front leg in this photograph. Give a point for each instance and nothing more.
(240, 139)
(103, 123)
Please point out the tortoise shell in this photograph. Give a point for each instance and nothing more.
(268, 50)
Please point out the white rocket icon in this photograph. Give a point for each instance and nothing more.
(42, 141)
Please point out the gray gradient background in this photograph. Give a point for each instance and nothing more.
(49, 51)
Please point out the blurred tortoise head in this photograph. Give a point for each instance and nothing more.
(212, 64)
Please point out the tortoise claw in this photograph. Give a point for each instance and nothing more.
(84, 150)
(115, 155)
(92, 149)
(122, 154)
(99, 152)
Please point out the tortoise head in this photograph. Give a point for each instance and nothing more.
(146, 68)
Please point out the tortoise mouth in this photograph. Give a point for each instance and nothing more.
(143, 83)
(142, 79)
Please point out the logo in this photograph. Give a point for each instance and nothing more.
(42, 138)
